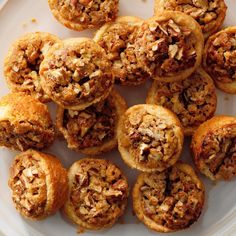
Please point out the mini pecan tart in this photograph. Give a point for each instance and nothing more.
(219, 59)
(21, 66)
(169, 46)
(193, 100)
(117, 39)
(98, 193)
(24, 123)
(94, 130)
(150, 138)
(214, 148)
(39, 184)
(84, 14)
(210, 14)
(76, 73)
(169, 201)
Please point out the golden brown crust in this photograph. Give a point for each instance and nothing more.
(214, 148)
(209, 14)
(39, 184)
(99, 190)
(219, 59)
(83, 129)
(24, 123)
(21, 65)
(84, 14)
(76, 73)
(193, 100)
(169, 46)
(169, 201)
(117, 39)
(150, 138)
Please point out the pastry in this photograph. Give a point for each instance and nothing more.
(24, 123)
(21, 66)
(193, 100)
(169, 201)
(84, 14)
(93, 130)
(76, 73)
(150, 138)
(117, 39)
(219, 59)
(98, 193)
(39, 184)
(210, 14)
(169, 46)
(214, 148)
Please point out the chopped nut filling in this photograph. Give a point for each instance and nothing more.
(165, 48)
(29, 188)
(206, 12)
(118, 43)
(91, 127)
(221, 57)
(171, 199)
(99, 192)
(219, 152)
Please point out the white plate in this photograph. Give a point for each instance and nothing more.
(219, 214)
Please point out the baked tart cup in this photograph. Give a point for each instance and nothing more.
(219, 59)
(76, 73)
(21, 65)
(210, 14)
(150, 138)
(39, 184)
(169, 46)
(169, 201)
(193, 100)
(94, 130)
(84, 14)
(98, 193)
(24, 123)
(117, 39)
(214, 148)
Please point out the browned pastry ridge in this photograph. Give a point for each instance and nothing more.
(219, 59)
(169, 46)
(214, 148)
(24, 123)
(150, 138)
(169, 201)
(84, 14)
(94, 130)
(210, 14)
(39, 184)
(98, 193)
(21, 65)
(117, 39)
(193, 100)
(76, 73)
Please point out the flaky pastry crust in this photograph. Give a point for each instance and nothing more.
(98, 193)
(214, 148)
(169, 201)
(193, 100)
(24, 123)
(150, 138)
(39, 184)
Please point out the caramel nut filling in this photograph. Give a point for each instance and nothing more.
(83, 14)
(117, 39)
(98, 193)
(169, 201)
(193, 100)
(209, 14)
(77, 74)
(21, 67)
